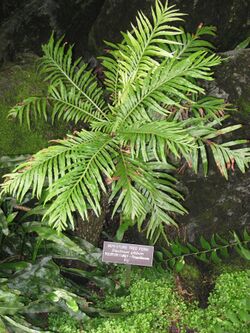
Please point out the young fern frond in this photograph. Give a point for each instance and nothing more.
(156, 110)
(141, 47)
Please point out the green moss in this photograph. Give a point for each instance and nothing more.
(232, 264)
(17, 82)
(192, 279)
(154, 306)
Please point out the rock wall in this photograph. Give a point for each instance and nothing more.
(231, 17)
(214, 204)
(26, 24)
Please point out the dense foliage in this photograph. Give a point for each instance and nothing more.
(153, 305)
(35, 262)
(151, 115)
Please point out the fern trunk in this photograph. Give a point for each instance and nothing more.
(91, 230)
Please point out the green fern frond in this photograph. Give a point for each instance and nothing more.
(145, 191)
(187, 43)
(45, 167)
(131, 201)
(68, 105)
(226, 156)
(168, 85)
(163, 201)
(36, 106)
(57, 66)
(209, 106)
(80, 188)
(158, 137)
(138, 52)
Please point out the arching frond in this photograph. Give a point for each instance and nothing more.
(57, 66)
(145, 193)
(158, 137)
(36, 106)
(168, 85)
(226, 157)
(80, 188)
(47, 165)
(138, 52)
(187, 43)
(209, 106)
(69, 105)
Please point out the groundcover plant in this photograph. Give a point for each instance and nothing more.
(149, 115)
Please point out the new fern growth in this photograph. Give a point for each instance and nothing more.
(151, 114)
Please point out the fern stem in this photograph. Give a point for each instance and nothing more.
(233, 244)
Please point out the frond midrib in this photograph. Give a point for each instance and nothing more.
(78, 88)
(87, 167)
(76, 107)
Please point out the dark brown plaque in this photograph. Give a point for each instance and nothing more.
(128, 254)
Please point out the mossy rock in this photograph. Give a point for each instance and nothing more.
(17, 82)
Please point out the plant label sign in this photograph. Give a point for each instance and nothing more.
(128, 254)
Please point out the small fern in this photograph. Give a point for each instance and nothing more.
(151, 114)
(212, 251)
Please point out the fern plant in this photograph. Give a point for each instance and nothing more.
(151, 114)
(212, 251)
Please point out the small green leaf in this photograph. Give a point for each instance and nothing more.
(245, 252)
(179, 265)
(215, 259)
(203, 257)
(246, 235)
(224, 252)
(204, 243)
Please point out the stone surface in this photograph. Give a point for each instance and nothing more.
(214, 204)
(232, 79)
(231, 17)
(26, 24)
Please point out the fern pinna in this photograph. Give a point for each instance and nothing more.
(151, 114)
